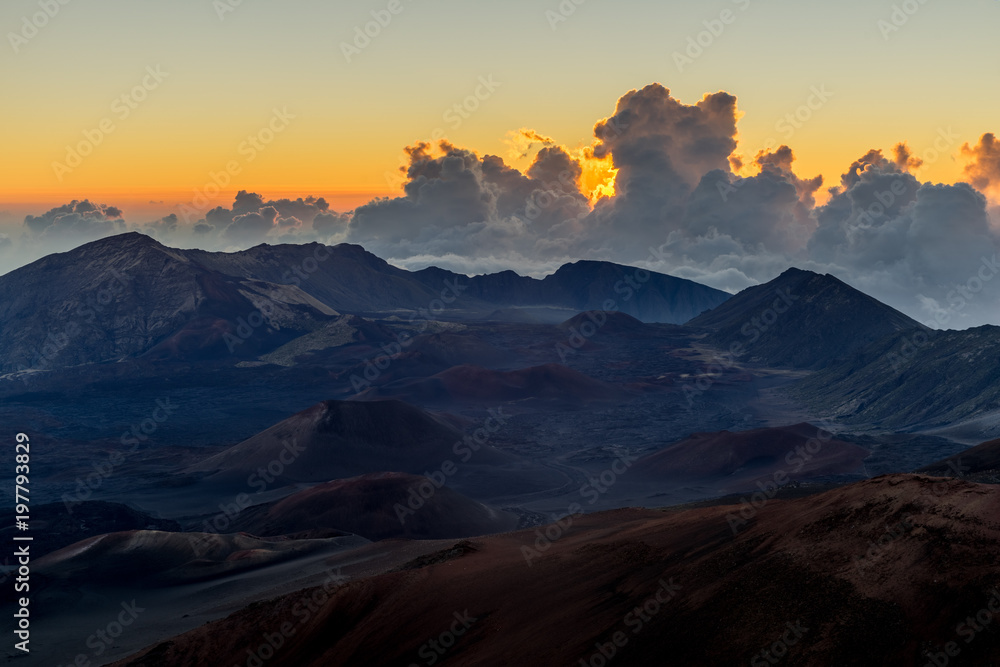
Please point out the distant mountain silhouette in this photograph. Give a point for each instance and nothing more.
(590, 285)
(129, 295)
(801, 319)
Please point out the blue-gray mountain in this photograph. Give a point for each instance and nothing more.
(128, 296)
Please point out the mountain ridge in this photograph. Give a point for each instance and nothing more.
(137, 295)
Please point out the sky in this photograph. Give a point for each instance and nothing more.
(152, 109)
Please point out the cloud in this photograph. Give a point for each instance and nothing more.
(769, 212)
(661, 149)
(331, 224)
(456, 202)
(906, 242)
(76, 222)
(251, 220)
(983, 170)
(658, 174)
(163, 229)
(525, 140)
(252, 227)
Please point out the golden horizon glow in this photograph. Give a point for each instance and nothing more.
(352, 120)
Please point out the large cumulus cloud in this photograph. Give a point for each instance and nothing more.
(458, 202)
(660, 185)
(661, 149)
(252, 220)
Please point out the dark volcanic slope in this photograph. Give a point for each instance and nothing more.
(341, 439)
(369, 506)
(55, 526)
(801, 319)
(147, 558)
(738, 459)
(345, 274)
(128, 295)
(916, 378)
(608, 323)
(980, 463)
(353, 280)
(795, 565)
(551, 382)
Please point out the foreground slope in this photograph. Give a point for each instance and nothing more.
(813, 580)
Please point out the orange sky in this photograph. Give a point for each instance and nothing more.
(223, 79)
